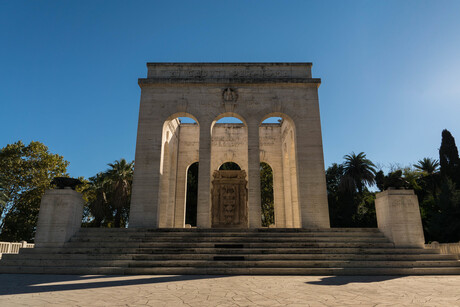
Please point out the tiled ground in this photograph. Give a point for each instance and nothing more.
(92, 290)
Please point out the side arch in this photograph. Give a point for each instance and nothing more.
(285, 168)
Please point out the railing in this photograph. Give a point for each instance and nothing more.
(445, 248)
(13, 247)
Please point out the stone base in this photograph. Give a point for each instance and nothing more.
(398, 217)
(59, 217)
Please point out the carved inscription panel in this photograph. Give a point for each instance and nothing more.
(229, 199)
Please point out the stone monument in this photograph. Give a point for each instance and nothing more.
(60, 214)
(207, 92)
(398, 217)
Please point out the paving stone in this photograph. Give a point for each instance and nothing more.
(199, 290)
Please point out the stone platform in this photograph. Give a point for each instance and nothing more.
(351, 251)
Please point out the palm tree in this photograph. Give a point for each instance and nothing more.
(430, 172)
(428, 165)
(120, 176)
(358, 172)
(98, 204)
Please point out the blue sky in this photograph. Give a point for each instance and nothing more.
(390, 69)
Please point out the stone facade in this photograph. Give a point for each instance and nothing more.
(207, 92)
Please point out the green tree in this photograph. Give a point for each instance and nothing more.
(350, 203)
(229, 166)
(448, 158)
(444, 223)
(3, 196)
(428, 165)
(120, 177)
(95, 195)
(348, 208)
(339, 206)
(266, 193)
(358, 171)
(429, 169)
(25, 173)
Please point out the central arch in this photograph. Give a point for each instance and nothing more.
(230, 166)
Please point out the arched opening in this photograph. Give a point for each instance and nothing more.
(266, 195)
(229, 172)
(191, 195)
(273, 120)
(277, 139)
(180, 134)
(229, 166)
(229, 120)
(229, 141)
(187, 120)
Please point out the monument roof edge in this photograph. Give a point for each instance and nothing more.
(253, 81)
(229, 63)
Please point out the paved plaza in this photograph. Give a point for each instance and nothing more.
(194, 290)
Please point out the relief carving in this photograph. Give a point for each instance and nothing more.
(229, 97)
(229, 199)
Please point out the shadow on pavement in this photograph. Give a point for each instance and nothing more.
(344, 280)
(30, 283)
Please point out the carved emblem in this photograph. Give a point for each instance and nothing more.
(229, 95)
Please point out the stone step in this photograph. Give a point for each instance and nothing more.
(214, 234)
(233, 264)
(175, 250)
(352, 251)
(182, 244)
(231, 239)
(195, 256)
(229, 271)
(229, 231)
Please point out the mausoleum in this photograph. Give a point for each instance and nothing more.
(207, 92)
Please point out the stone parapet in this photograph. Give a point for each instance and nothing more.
(398, 217)
(59, 217)
(229, 73)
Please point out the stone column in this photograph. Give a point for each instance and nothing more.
(164, 187)
(181, 188)
(287, 191)
(146, 181)
(255, 212)
(278, 195)
(59, 218)
(294, 188)
(398, 217)
(203, 219)
(314, 210)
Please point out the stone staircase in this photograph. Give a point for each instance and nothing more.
(350, 251)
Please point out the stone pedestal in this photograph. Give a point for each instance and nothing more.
(59, 218)
(398, 217)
